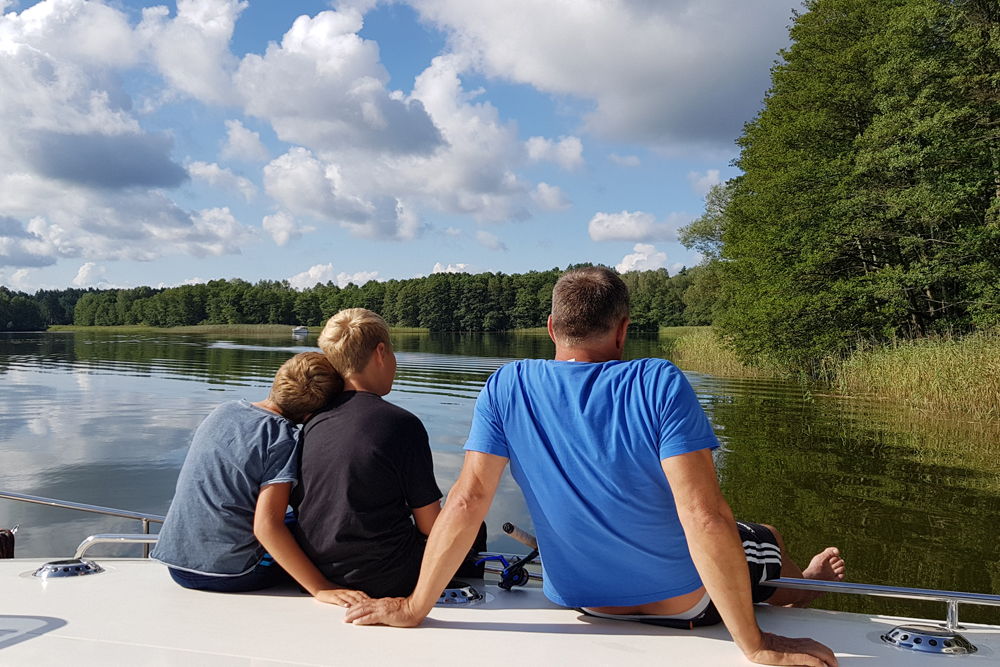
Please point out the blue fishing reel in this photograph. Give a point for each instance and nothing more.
(513, 573)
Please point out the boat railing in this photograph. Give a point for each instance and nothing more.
(146, 519)
(952, 598)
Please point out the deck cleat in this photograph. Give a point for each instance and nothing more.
(459, 593)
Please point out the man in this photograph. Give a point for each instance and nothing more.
(615, 462)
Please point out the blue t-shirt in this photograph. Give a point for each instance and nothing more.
(585, 441)
(209, 527)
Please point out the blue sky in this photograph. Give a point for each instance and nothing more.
(145, 144)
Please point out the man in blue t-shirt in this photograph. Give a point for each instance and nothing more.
(615, 462)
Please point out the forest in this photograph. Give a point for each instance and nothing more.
(440, 302)
(868, 205)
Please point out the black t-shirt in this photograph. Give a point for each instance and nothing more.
(363, 465)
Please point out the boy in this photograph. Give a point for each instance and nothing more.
(225, 530)
(368, 497)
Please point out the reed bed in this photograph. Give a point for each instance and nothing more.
(700, 349)
(942, 374)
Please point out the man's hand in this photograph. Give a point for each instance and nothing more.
(342, 597)
(383, 611)
(778, 650)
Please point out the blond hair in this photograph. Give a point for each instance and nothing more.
(350, 337)
(304, 384)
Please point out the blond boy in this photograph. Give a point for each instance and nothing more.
(367, 497)
(225, 530)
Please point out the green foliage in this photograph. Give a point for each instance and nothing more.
(18, 312)
(868, 207)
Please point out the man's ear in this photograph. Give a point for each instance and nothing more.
(620, 333)
(552, 333)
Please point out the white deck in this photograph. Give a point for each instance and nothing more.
(134, 614)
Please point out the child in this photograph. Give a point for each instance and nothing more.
(225, 530)
(368, 496)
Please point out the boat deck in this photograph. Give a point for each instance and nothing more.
(134, 614)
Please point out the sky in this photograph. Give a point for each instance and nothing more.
(168, 144)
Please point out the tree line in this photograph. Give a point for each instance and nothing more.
(440, 302)
(868, 206)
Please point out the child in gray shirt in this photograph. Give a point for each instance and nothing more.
(225, 530)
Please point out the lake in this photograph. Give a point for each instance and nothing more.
(106, 419)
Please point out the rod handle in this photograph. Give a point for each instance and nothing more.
(521, 536)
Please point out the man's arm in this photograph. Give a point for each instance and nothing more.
(450, 540)
(269, 527)
(718, 555)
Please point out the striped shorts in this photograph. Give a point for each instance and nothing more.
(763, 557)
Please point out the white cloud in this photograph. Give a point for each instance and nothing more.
(192, 50)
(324, 273)
(359, 278)
(490, 241)
(675, 267)
(460, 267)
(243, 144)
(79, 176)
(189, 281)
(223, 178)
(284, 228)
(702, 183)
(644, 257)
(625, 160)
(567, 152)
(453, 231)
(678, 73)
(551, 197)
(321, 273)
(88, 274)
(637, 226)
(19, 280)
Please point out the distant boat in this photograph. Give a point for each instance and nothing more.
(300, 331)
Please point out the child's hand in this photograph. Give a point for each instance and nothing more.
(342, 597)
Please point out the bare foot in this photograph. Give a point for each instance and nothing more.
(827, 565)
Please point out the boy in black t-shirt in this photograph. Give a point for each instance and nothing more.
(367, 496)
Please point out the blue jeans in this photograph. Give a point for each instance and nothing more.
(267, 573)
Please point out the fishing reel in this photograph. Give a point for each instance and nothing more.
(513, 573)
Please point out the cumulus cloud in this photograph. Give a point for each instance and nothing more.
(192, 50)
(644, 257)
(625, 160)
(359, 278)
(459, 267)
(284, 228)
(567, 152)
(243, 144)
(88, 274)
(321, 273)
(551, 197)
(453, 231)
(324, 273)
(635, 226)
(702, 183)
(74, 161)
(490, 241)
(218, 177)
(683, 73)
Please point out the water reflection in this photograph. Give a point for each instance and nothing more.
(107, 419)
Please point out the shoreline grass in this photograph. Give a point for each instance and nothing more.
(945, 375)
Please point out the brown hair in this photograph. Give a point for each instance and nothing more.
(350, 337)
(304, 384)
(587, 301)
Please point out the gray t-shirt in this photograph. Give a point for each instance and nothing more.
(209, 528)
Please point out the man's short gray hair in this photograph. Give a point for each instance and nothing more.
(587, 302)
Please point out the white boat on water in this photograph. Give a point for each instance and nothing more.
(300, 331)
(132, 613)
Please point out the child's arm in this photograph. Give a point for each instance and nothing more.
(269, 527)
(425, 516)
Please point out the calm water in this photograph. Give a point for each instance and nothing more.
(107, 419)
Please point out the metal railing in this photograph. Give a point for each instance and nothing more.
(146, 519)
(94, 540)
(952, 598)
